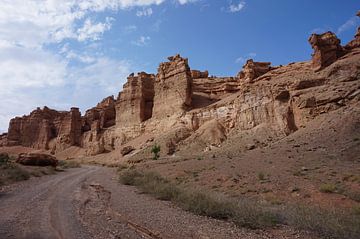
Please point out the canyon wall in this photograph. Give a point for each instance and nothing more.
(173, 88)
(181, 103)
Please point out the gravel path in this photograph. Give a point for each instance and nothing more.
(88, 202)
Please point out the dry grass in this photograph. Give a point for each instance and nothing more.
(65, 164)
(243, 213)
(11, 172)
(334, 224)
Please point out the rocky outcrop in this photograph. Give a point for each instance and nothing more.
(36, 159)
(327, 49)
(104, 113)
(195, 74)
(179, 105)
(69, 126)
(355, 42)
(172, 88)
(252, 70)
(135, 103)
(206, 91)
(3, 139)
(46, 128)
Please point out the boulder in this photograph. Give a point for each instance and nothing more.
(126, 150)
(356, 41)
(327, 49)
(37, 159)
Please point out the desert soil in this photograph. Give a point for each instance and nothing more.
(88, 202)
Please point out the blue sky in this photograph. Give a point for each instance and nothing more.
(64, 53)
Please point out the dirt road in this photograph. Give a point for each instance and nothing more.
(88, 202)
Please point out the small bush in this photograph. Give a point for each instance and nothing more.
(65, 164)
(328, 188)
(15, 173)
(261, 176)
(156, 151)
(4, 158)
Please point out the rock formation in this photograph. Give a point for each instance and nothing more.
(104, 112)
(180, 106)
(36, 159)
(356, 42)
(172, 88)
(327, 49)
(195, 74)
(135, 103)
(252, 70)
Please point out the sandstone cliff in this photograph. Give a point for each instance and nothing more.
(180, 108)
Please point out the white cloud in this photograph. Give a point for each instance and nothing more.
(243, 59)
(129, 29)
(142, 41)
(351, 23)
(145, 12)
(93, 31)
(182, 2)
(237, 7)
(33, 75)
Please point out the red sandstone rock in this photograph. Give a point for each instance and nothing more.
(104, 112)
(42, 125)
(126, 150)
(252, 70)
(327, 49)
(172, 87)
(356, 42)
(35, 159)
(135, 103)
(195, 74)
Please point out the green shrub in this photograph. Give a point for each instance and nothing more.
(156, 151)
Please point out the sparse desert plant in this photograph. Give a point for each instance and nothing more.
(65, 164)
(261, 176)
(328, 188)
(334, 223)
(245, 213)
(15, 173)
(4, 158)
(156, 151)
(356, 210)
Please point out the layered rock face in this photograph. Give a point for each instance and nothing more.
(252, 70)
(172, 88)
(135, 103)
(195, 74)
(104, 113)
(327, 49)
(356, 42)
(180, 105)
(43, 125)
